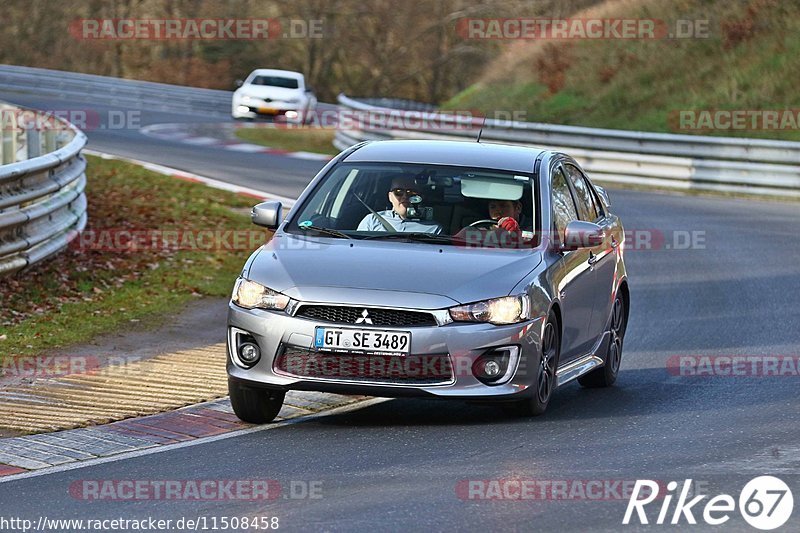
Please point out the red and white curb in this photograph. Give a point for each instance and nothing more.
(228, 141)
(47, 453)
(196, 178)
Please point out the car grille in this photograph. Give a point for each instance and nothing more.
(379, 317)
(389, 369)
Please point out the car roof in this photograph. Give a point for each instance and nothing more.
(276, 72)
(455, 153)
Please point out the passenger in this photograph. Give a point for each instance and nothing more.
(506, 233)
(400, 194)
(506, 213)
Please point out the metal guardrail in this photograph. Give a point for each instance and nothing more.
(117, 92)
(687, 162)
(42, 182)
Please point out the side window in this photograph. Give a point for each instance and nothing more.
(563, 206)
(586, 202)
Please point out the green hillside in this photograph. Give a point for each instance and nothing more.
(749, 61)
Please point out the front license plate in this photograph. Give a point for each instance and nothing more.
(268, 110)
(367, 341)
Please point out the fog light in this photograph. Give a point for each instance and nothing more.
(496, 366)
(249, 353)
(292, 114)
(492, 368)
(242, 109)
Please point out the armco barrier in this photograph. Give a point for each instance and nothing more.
(687, 162)
(116, 92)
(42, 181)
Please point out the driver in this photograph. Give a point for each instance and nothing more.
(400, 193)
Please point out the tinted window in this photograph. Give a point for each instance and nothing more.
(275, 81)
(563, 206)
(586, 202)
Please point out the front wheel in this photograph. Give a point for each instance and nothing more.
(546, 373)
(606, 375)
(257, 406)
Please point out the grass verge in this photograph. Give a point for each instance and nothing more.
(104, 281)
(306, 139)
(741, 62)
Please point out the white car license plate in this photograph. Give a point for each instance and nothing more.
(368, 341)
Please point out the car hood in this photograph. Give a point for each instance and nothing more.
(266, 91)
(419, 275)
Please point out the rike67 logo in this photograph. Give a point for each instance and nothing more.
(765, 503)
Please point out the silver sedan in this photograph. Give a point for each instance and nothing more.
(457, 270)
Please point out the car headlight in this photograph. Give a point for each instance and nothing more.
(505, 310)
(251, 295)
(292, 101)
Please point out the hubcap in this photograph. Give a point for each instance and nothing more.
(547, 367)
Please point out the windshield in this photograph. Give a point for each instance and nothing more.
(425, 203)
(275, 81)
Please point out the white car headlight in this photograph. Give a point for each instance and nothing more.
(505, 310)
(251, 295)
(292, 101)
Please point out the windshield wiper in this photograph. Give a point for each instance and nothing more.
(412, 237)
(325, 231)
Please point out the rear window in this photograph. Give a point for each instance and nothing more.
(276, 81)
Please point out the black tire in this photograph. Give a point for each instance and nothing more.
(256, 406)
(606, 375)
(546, 373)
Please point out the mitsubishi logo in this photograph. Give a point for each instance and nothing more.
(365, 319)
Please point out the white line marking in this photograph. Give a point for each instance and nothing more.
(312, 156)
(244, 147)
(202, 141)
(187, 444)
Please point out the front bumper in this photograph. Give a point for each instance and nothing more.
(254, 108)
(463, 343)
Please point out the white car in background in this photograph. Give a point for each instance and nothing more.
(280, 94)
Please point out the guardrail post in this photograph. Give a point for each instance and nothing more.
(34, 139)
(50, 141)
(9, 137)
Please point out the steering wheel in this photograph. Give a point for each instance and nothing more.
(484, 222)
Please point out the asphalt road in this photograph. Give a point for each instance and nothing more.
(400, 465)
(279, 175)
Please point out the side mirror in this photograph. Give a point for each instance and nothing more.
(238, 83)
(581, 234)
(268, 214)
(603, 196)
